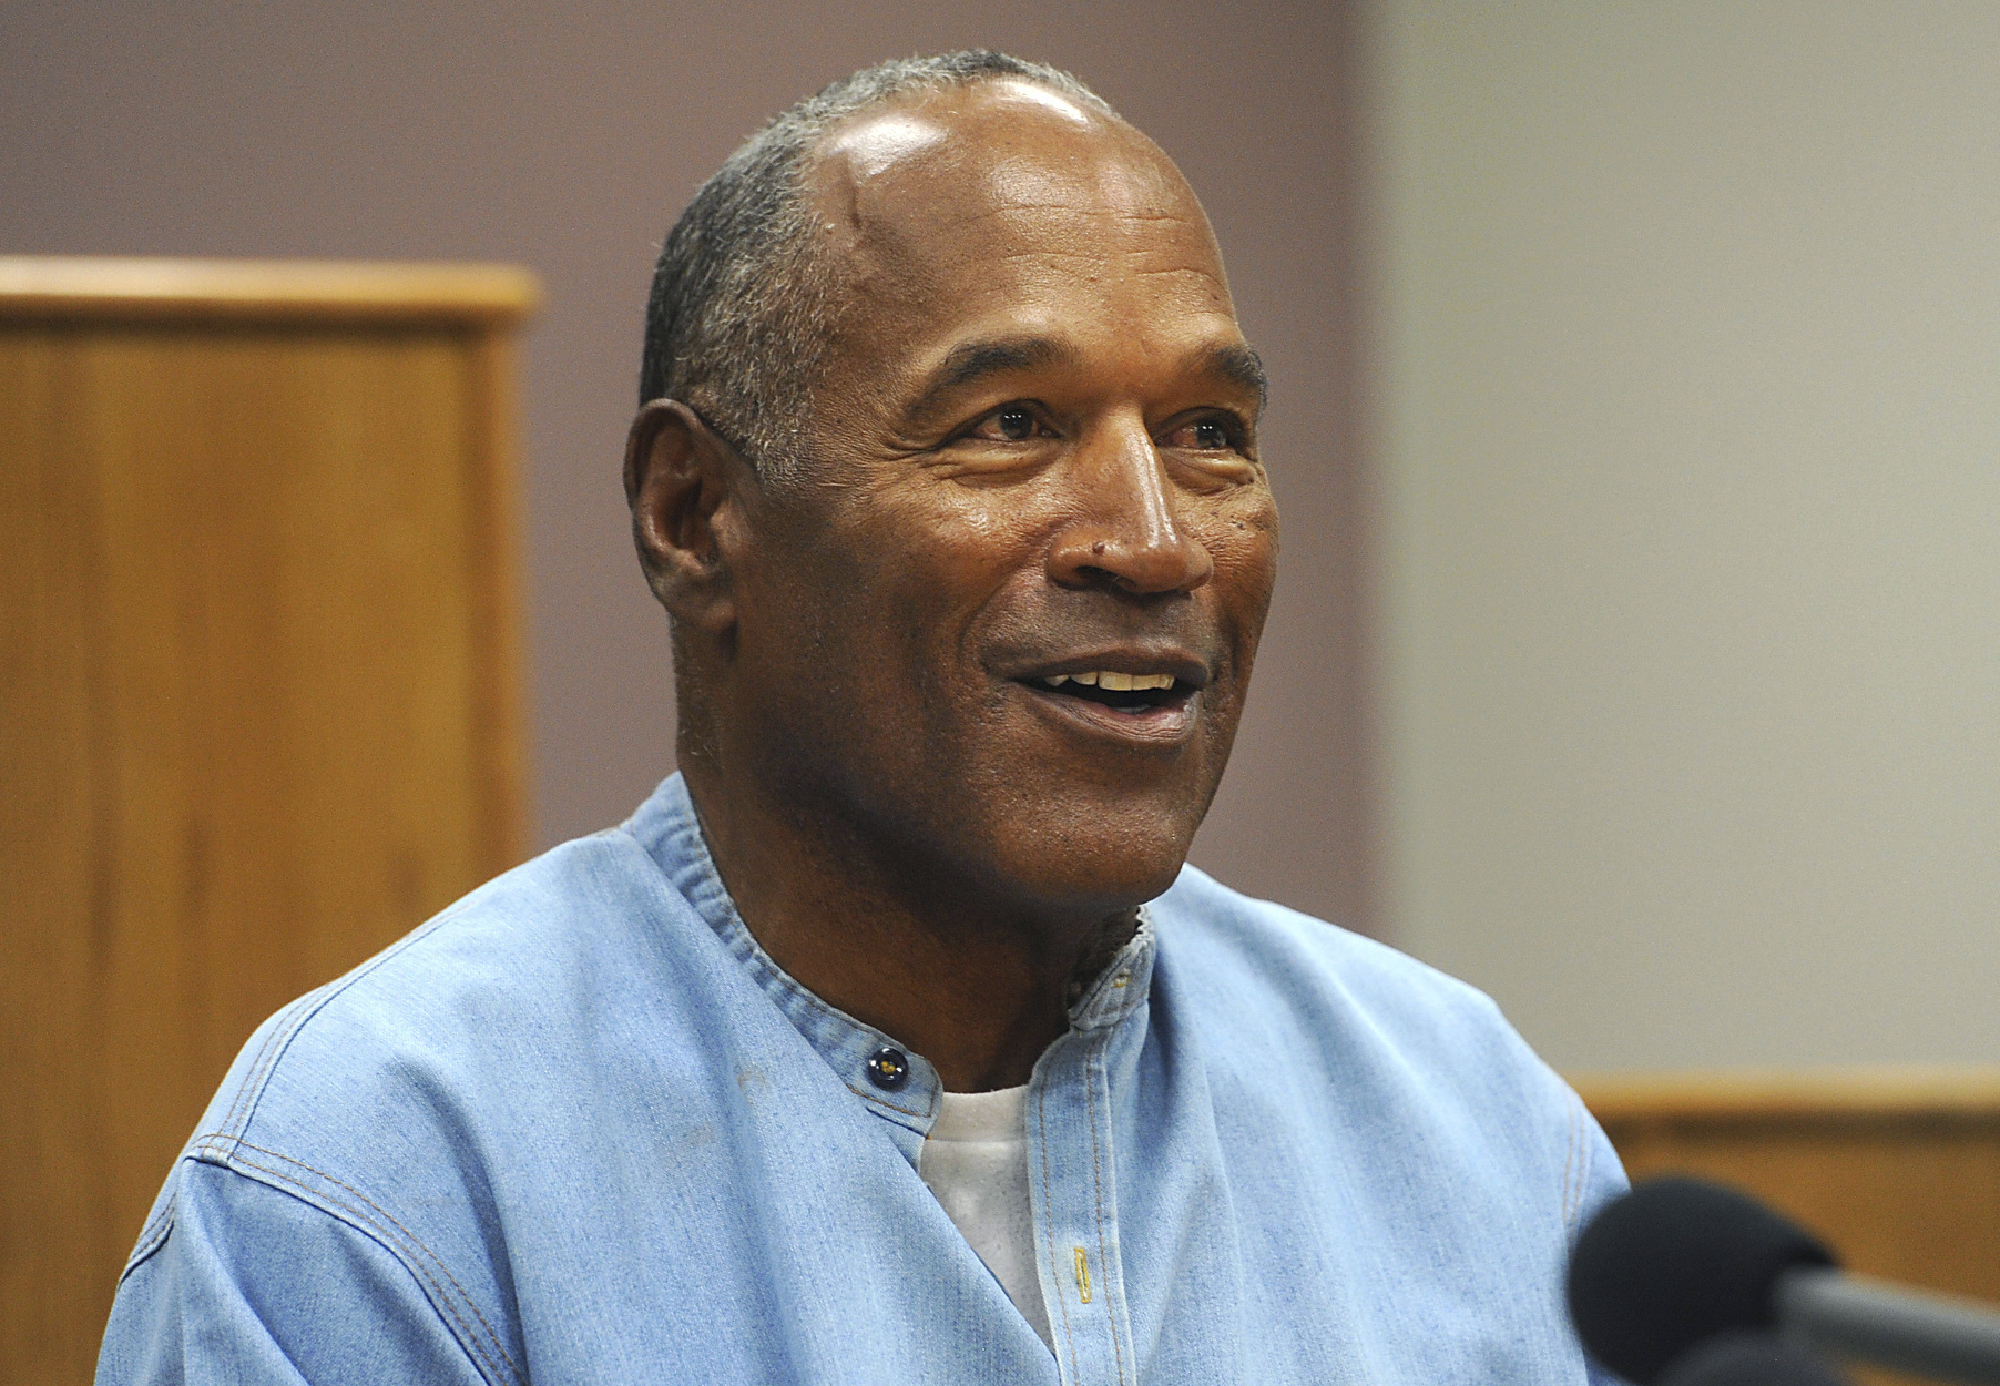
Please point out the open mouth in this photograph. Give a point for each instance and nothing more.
(1132, 694)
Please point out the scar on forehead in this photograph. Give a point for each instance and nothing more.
(874, 145)
(1042, 96)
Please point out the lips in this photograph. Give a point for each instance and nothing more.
(1133, 698)
(1112, 680)
(1121, 692)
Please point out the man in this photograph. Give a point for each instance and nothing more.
(891, 1040)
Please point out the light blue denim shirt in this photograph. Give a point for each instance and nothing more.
(580, 1128)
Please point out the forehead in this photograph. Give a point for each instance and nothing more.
(1006, 196)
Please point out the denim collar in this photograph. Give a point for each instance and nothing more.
(666, 824)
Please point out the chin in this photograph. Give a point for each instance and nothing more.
(1096, 872)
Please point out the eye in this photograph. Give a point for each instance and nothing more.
(1010, 423)
(1015, 423)
(1211, 434)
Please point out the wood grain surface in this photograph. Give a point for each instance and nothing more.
(259, 656)
(1898, 1169)
(68, 288)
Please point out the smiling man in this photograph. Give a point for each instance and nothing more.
(891, 1040)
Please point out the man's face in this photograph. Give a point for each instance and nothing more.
(1002, 621)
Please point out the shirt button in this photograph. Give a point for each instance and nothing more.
(888, 1069)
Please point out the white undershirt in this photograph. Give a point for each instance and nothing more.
(976, 1162)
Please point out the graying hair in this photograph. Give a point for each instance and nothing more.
(736, 325)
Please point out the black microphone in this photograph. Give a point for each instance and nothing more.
(1750, 1359)
(1678, 1261)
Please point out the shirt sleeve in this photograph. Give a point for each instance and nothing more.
(253, 1286)
(1603, 1180)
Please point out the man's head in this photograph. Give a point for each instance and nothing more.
(950, 484)
(733, 325)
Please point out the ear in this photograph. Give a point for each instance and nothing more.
(683, 483)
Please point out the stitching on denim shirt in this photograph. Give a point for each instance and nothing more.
(153, 1222)
(754, 956)
(698, 883)
(486, 1366)
(793, 990)
(1049, 1221)
(1582, 1183)
(1569, 1161)
(244, 1109)
(875, 1098)
(465, 1330)
(244, 1104)
(414, 1240)
(1096, 1061)
(164, 1225)
(1585, 1159)
(1572, 1188)
(410, 1238)
(252, 1078)
(1102, 1009)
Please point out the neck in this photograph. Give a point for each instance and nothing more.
(977, 984)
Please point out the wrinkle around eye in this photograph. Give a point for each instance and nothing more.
(967, 455)
(990, 466)
(1215, 474)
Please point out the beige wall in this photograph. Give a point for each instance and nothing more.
(567, 136)
(1689, 407)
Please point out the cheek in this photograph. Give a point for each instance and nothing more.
(1242, 539)
(898, 578)
(943, 550)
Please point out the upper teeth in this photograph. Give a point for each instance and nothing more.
(1111, 679)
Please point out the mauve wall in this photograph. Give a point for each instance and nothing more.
(566, 137)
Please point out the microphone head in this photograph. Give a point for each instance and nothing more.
(1750, 1359)
(1674, 1262)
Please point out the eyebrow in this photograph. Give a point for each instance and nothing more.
(970, 362)
(1237, 362)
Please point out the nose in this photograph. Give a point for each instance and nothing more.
(1127, 532)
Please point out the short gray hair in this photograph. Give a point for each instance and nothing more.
(736, 325)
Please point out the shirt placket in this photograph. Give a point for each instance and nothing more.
(1073, 1184)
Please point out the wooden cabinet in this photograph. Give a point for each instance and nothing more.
(259, 696)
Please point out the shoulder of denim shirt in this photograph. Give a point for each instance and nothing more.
(1276, 951)
(382, 1092)
(1295, 990)
(480, 983)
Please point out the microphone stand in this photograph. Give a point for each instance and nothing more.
(1856, 1317)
